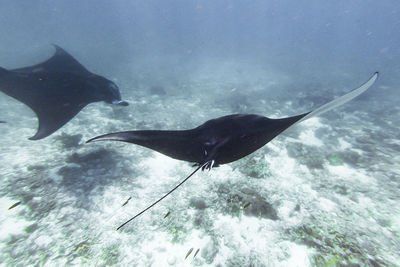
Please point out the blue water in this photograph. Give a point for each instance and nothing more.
(324, 193)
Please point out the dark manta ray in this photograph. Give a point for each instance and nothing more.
(57, 89)
(222, 140)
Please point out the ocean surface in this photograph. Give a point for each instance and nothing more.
(326, 192)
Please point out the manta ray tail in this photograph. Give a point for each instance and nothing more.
(172, 190)
(342, 99)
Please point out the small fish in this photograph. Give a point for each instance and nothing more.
(126, 202)
(245, 206)
(190, 251)
(166, 215)
(195, 254)
(14, 205)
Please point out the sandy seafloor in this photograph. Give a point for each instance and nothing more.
(324, 193)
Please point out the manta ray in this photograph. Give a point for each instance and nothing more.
(57, 89)
(221, 140)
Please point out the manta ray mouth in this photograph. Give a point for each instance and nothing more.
(120, 103)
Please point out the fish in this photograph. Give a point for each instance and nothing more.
(166, 215)
(126, 202)
(195, 254)
(222, 140)
(2, 122)
(14, 205)
(246, 205)
(57, 90)
(190, 251)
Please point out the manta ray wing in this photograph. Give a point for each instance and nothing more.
(61, 61)
(54, 97)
